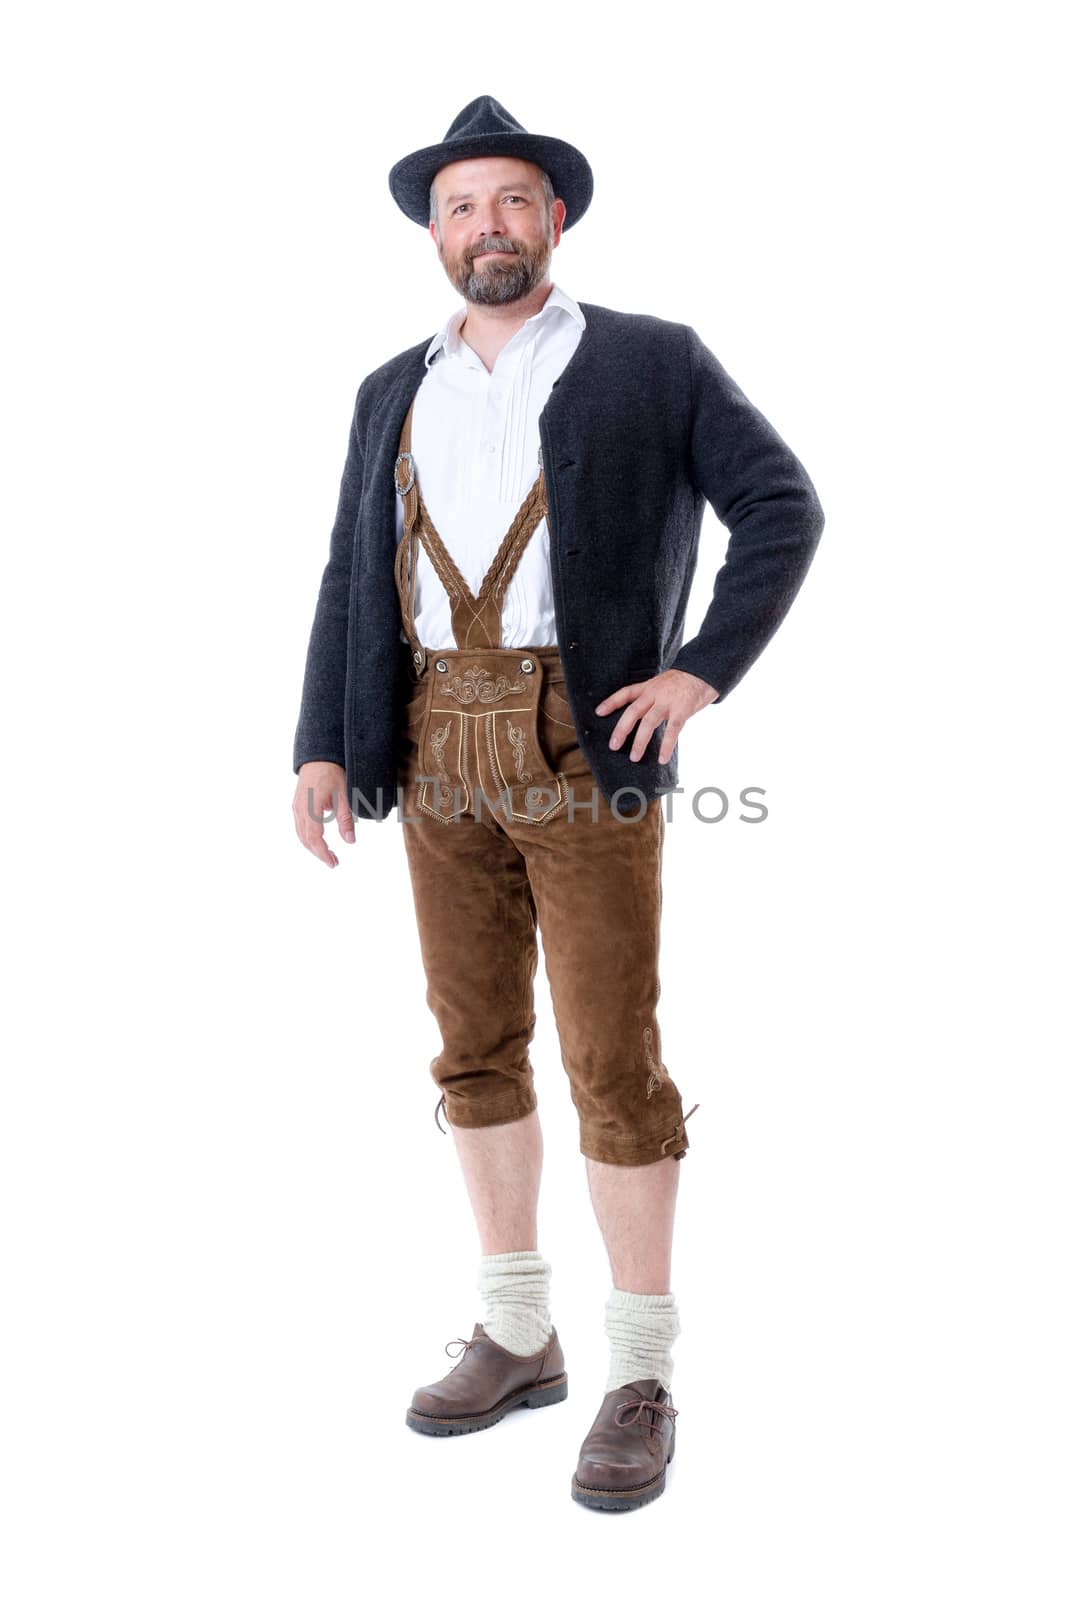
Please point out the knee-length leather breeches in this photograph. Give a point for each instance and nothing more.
(505, 831)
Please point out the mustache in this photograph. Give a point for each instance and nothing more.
(486, 249)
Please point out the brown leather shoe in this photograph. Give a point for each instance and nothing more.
(486, 1382)
(624, 1456)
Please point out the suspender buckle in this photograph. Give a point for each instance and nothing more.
(405, 455)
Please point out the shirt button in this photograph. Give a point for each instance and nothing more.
(492, 447)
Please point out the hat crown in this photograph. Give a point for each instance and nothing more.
(481, 116)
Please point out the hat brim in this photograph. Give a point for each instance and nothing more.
(570, 172)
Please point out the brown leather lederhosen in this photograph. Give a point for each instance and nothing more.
(480, 730)
(483, 722)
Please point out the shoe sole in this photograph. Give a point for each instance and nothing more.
(621, 1499)
(549, 1393)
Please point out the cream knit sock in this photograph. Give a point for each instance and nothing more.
(642, 1329)
(515, 1288)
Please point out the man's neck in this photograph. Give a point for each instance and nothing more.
(487, 329)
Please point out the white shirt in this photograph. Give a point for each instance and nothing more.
(475, 437)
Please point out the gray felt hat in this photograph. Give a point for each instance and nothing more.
(484, 128)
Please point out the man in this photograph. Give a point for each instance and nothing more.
(589, 441)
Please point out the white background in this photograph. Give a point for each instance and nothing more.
(233, 1240)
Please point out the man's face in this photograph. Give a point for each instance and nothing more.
(493, 237)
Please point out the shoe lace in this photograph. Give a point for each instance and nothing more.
(468, 1344)
(639, 1406)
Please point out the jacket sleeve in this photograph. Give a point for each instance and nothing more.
(320, 733)
(757, 487)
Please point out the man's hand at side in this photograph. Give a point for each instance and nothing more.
(320, 788)
(672, 697)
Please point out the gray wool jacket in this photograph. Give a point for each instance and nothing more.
(642, 428)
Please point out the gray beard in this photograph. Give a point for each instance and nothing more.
(504, 279)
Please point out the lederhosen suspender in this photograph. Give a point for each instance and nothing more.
(476, 619)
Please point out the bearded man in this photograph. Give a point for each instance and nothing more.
(517, 697)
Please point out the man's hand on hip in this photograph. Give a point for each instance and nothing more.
(672, 697)
(320, 789)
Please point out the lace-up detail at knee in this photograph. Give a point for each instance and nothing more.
(679, 1133)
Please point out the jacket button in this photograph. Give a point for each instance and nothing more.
(573, 645)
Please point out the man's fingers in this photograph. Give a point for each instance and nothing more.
(312, 837)
(676, 715)
(646, 728)
(622, 729)
(316, 843)
(646, 719)
(669, 740)
(321, 797)
(637, 713)
(346, 825)
(619, 698)
(307, 816)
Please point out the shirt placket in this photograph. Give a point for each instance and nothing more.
(495, 445)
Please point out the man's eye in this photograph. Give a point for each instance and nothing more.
(464, 203)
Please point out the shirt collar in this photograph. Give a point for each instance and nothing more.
(448, 339)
